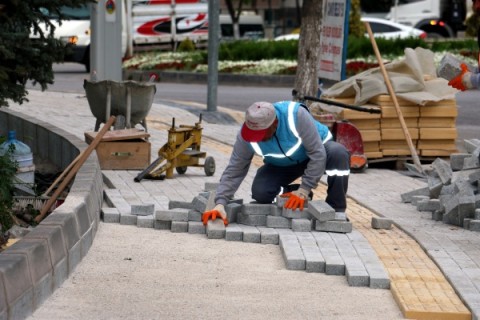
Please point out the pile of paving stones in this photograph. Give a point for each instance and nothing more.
(452, 191)
(316, 239)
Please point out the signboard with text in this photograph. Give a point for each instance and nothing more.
(333, 39)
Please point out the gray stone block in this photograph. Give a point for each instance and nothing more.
(334, 226)
(429, 205)
(381, 223)
(268, 235)
(145, 221)
(292, 252)
(443, 170)
(334, 264)
(143, 209)
(296, 214)
(179, 226)
(407, 196)
(471, 163)
(128, 219)
(252, 219)
(302, 225)
(314, 261)
(199, 203)
(474, 177)
(178, 214)
(215, 229)
(179, 205)
(476, 215)
(466, 223)
(321, 210)
(463, 187)
(233, 232)
(435, 186)
(232, 210)
(471, 144)
(250, 234)
(457, 160)
(211, 186)
(110, 215)
(162, 225)
(278, 222)
(417, 199)
(474, 225)
(196, 227)
(194, 215)
(257, 209)
(355, 271)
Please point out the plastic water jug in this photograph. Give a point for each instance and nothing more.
(22, 154)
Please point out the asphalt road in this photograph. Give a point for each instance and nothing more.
(69, 77)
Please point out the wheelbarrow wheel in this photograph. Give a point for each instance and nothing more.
(209, 166)
(181, 170)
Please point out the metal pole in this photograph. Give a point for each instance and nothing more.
(213, 43)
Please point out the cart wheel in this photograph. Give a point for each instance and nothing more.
(209, 166)
(181, 170)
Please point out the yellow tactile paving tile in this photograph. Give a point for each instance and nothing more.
(417, 284)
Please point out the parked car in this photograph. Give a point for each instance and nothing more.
(381, 28)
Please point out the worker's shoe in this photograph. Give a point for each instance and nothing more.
(341, 216)
(296, 186)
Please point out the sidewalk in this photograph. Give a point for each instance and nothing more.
(146, 273)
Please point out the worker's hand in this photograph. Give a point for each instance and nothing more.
(296, 199)
(463, 81)
(218, 211)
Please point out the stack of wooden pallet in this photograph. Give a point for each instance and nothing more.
(431, 127)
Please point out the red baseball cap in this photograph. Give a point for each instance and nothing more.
(258, 118)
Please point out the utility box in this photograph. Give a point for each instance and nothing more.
(127, 149)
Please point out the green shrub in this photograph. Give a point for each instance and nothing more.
(186, 45)
(8, 169)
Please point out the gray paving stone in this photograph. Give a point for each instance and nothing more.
(292, 252)
(233, 232)
(381, 223)
(302, 225)
(278, 222)
(252, 219)
(296, 214)
(196, 227)
(334, 226)
(128, 219)
(474, 225)
(357, 275)
(142, 209)
(314, 261)
(110, 215)
(321, 210)
(334, 264)
(232, 210)
(162, 225)
(179, 204)
(268, 235)
(145, 221)
(177, 214)
(194, 215)
(250, 234)
(215, 229)
(179, 226)
(257, 209)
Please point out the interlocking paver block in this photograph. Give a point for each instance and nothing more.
(250, 234)
(252, 219)
(233, 232)
(194, 215)
(334, 226)
(443, 169)
(145, 221)
(268, 235)
(314, 261)
(199, 203)
(172, 204)
(143, 209)
(296, 214)
(278, 222)
(321, 210)
(215, 229)
(302, 225)
(257, 209)
(196, 227)
(381, 223)
(177, 214)
(474, 225)
(128, 219)
(457, 160)
(407, 196)
(292, 252)
(211, 186)
(357, 275)
(334, 264)
(429, 205)
(179, 226)
(232, 210)
(110, 215)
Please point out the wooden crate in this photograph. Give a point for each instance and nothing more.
(122, 149)
(392, 123)
(398, 134)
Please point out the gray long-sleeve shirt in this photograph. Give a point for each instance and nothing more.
(242, 155)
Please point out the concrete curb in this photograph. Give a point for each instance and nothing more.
(34, 267)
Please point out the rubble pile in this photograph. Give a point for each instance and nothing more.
(452, 191)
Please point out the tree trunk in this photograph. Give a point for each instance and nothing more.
(306, 78)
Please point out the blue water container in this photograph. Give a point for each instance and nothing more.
(22, 154)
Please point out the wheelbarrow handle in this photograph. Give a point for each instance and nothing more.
(335, 103)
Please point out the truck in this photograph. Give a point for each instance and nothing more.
(438, 18)
(148, 25)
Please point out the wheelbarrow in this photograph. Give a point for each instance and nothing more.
(180, 152)
(130, 99)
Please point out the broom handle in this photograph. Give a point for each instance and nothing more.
(413, 151)
(83, 156)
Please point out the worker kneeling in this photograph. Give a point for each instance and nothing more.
(293, 144)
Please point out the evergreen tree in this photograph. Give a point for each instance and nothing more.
(27, 46)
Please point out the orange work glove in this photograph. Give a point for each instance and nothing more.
(218, 211)
(461, 81)
(296, 199)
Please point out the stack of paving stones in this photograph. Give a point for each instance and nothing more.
(316, 239)
(452, 191)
